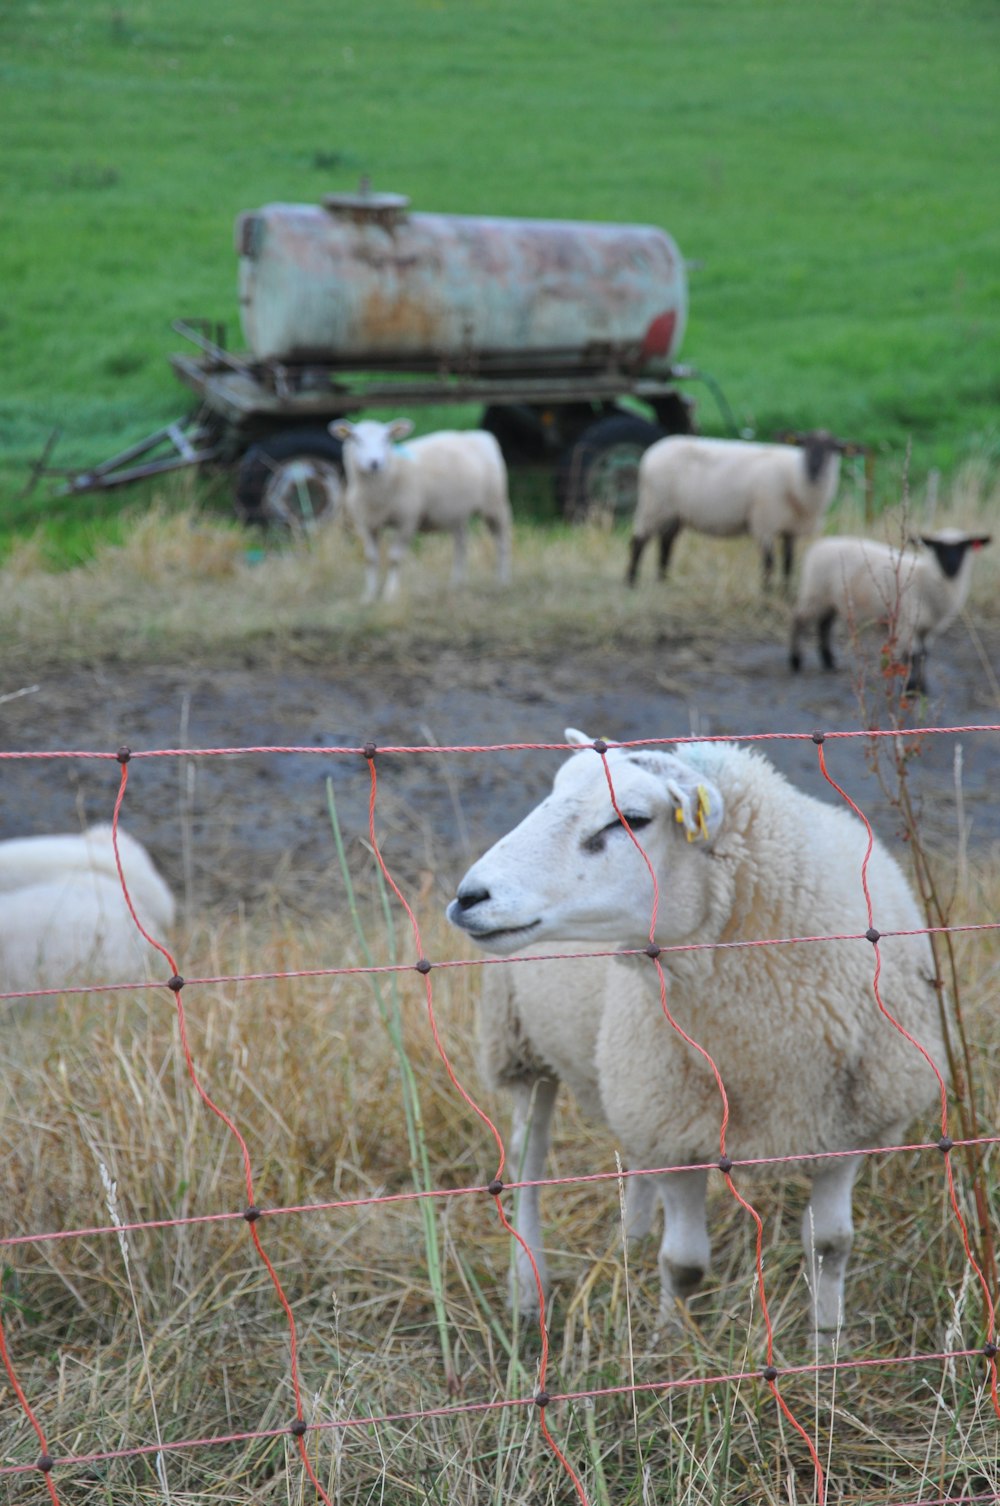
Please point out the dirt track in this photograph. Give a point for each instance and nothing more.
(258, 821)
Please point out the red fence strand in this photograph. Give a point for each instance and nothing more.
(509, 1403)
(874, 936)
(381, 1199)
(252, 1214)
(769, 1373)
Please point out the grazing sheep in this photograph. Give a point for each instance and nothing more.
(726, 487)
(809, 1062)
(538, 1027)
(63, 916)
(919, 595)
(433, 484)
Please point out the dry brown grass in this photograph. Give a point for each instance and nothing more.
(183, 584)
(305, 1068)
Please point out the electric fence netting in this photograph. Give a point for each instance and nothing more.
(512, 1408)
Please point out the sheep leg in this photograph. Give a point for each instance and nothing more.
(370, 545)
(667, 537)
(787, 556)
(824, 630)
(827, 1236)
(795, 643)
(685, 1250)
(640, 1200)
(400, 543)
(636, 548)
(501, 540)
(916, 683)
(767, 564)
(534, 1100)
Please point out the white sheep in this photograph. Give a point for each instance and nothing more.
(809, 1062)
(436, 483)
(63, 916)
(918, 595)
(726, 487)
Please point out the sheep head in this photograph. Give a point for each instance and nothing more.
(579, 867)
(950, 547)
(368, 444)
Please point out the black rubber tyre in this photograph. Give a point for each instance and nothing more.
(291, 480)
(519, 431)
(597, 474)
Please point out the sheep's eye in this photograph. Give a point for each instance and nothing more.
(597, 842)
(638, 822)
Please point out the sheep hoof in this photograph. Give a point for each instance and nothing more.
(686, 1279)
(795, 662)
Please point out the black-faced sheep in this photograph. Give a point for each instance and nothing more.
(862, 581)
(437, 483)
(809, 1062)
(726, 487)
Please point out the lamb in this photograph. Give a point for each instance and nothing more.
(809, 1062)
(63, 916)
(918, 595)
(726, 487)
(433, 484)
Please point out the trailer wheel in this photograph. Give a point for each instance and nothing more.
(597, 476)
(519, 430)
(291, 480)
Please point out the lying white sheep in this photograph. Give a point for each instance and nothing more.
(918, 594)
(809, 1062)
(63, 916)
(437, 483)
(726, 487)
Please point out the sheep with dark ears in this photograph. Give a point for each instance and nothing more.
(863, 581)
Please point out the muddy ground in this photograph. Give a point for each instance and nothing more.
(233, 829)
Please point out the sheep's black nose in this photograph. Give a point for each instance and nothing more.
(469, 897)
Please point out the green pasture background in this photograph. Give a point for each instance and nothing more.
(830, 171)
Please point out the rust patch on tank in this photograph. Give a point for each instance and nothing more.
(387, 321)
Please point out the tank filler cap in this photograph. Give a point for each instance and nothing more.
(366, 205)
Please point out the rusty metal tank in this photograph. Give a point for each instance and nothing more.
(360, 281)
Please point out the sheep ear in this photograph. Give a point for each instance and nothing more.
(698, 805)
(577, 739)
(341, 428)
(400, 428)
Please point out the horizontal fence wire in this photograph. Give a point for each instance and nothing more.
(444, 1194)
(768, 1375)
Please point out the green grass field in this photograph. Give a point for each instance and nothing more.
(826, 172)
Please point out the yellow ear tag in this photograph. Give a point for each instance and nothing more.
(704, 809)
(699, 828)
